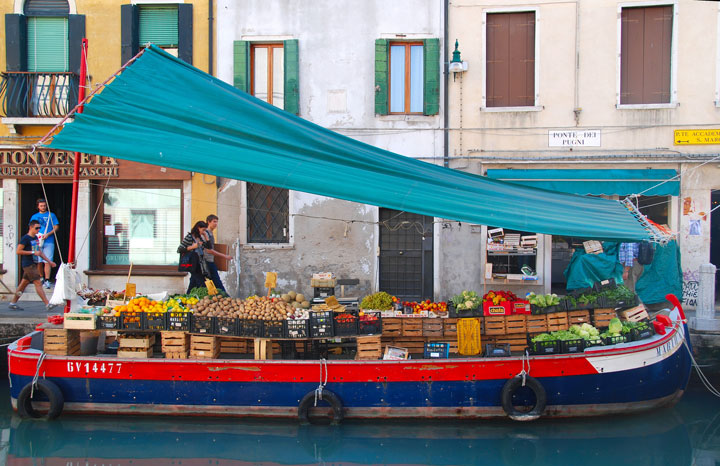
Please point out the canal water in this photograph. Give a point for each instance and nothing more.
(686, 434)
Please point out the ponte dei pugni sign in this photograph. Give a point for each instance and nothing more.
(54, 164)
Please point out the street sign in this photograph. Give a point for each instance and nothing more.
(684, 137)
(574, 138)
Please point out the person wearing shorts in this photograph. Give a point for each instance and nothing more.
(27, 249)
(46, 239)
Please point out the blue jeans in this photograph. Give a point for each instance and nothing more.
(215, 276)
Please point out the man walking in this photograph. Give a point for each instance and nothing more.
(27, 249)
(210, 252)
(46, 240)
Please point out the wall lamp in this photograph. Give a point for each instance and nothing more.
(456, 64)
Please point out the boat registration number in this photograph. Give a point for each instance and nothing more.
(87, 367)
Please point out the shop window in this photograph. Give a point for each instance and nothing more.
(142, 236)
(267, 214)
(645, 53)
(169, 26)
(511, 255)
(510, 59)
(407, 77)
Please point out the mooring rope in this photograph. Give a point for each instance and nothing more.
(37, 373)
(523, 373)
(321, 385)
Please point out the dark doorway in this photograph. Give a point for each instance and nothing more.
(406, 255)
(59, 197)
(715, 237)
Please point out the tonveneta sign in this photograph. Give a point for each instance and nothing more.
(54, 164)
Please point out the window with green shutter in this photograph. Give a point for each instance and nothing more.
(47, 44)
(159, 25)
(407, 77)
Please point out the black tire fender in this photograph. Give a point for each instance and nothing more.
(47, 388)
(309, 400)
(508, 391)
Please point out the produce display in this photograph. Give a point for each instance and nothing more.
(380, 301)
(497, 297)
(466, 301)
(427, 305)
(543, 300)
(295, 299)
(254, 307)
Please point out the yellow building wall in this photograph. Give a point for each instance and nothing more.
(204, 197)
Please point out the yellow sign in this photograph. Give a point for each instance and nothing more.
(684, 137)
(130, 290)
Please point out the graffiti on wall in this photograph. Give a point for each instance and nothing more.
(690, 292)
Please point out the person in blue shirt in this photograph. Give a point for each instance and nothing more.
(46, 239)
(28, 249)
(627, 256)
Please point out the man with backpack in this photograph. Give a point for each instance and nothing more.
(633, 256)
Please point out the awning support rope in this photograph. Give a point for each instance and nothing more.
(656, 235)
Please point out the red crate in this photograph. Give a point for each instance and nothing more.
(521, 307)
(500, 309)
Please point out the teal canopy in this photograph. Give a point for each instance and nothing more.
(649, 182)
(162, 111)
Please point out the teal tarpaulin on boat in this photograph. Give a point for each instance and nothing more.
(585, 269)
(623, 182)
(661, 277)
(162, 111)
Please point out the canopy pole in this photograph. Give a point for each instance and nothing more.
(76, 166)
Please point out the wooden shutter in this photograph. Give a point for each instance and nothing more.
(241, 65)
(185, 32)
(431, 88)
(47, 44)
(292, 76)
(76, 33)
(129, 42)
(159, 25)
(15, 43)
(381, 76)
(46, 8)
(645, 51)
(510, 61)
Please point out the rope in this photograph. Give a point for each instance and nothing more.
(703, 378)
(321, 385)
(92, 222)
(523, 373)
(37, 373)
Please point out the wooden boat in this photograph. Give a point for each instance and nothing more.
(621, 378)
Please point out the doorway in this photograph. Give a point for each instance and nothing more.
(59, 196)
(406, 255)
(715, 237)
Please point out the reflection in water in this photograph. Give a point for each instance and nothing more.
(666, 437)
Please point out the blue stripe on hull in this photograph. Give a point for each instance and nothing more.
(648, 383)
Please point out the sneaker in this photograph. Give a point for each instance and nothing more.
(14, 307)
(46, 284)
(50, 307)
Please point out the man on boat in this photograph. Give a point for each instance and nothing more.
(46, 239)
(27, 249)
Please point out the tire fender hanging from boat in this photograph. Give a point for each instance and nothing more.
(523, 379)
(47, 388)
(320, 393)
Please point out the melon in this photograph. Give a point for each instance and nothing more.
(300, 297)
(305, 304)
(292, 295)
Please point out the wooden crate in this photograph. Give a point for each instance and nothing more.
(142, 341)
(450, 328)
(517, 341)
(135, 352)
(61, 342)
(557, 321)
(515, 324)
(176, 355)
(536, 323)
(78, 320)
(233, 345)
(368, 348)
(635, 314)
(432, 327)
(175, 342)
(392, 327)
(494, 325)
(603, 316)
(412, 327)
(204, 346)
(413, 345)
(579, 317)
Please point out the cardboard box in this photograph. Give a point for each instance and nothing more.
(500, 309)
(221, 262)
(593, 247)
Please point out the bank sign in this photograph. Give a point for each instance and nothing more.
(574, 138)
(54, 164)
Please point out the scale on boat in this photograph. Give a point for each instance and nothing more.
(325, 284)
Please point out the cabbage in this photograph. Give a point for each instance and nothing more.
(615, 326)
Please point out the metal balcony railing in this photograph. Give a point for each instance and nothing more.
(30, 94)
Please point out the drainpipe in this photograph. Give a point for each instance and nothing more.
(210, 37)
(446, 113)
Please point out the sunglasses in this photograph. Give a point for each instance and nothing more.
(36, 228)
